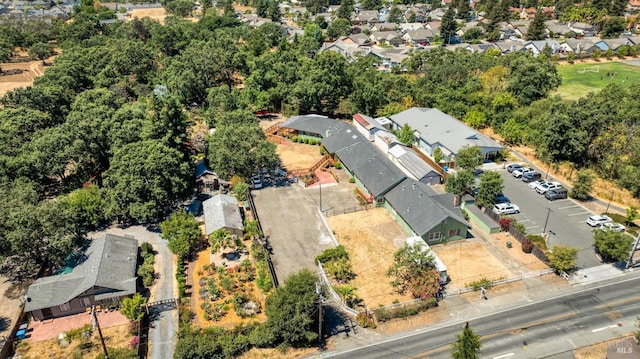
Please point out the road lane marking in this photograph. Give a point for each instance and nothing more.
(524, 220)
(577, 214)
(504, 356)
(604, 328)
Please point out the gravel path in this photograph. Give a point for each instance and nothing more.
(162, 333)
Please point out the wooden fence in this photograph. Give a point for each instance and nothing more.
(519, 236)
(335, 212)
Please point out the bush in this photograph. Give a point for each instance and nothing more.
(352, 180)
(482, 283)
(527, 245)
(146, 247)
(365, 320)
(332, 254)
(384, 315)
(295, 139)
(84, 331)
(538, 241)
(505, 223)
(338, 165)
(322, 151)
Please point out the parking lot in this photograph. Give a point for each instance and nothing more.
(565, 218)
(291, 222)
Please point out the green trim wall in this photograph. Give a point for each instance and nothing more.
(451, 224)
(489, 228)
(400, 220)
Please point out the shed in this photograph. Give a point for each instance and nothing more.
(222, 212)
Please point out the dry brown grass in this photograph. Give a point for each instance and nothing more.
(298, 155)
(157, 14)
(371, 238)
(290, 353)
(115, 337)
(31, 70)
(596, 351)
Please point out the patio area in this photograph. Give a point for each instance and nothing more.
(50, 329)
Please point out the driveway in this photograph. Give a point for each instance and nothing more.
(163, 328)
(565, 219)
(290, 220)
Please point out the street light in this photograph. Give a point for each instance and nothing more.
(544, 231)
(608, 204)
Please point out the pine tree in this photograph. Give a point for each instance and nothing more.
(448, 25)
(463, 10)
(467, 346)
(536, 29)
(346, 9)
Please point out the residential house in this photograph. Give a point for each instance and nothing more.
(359, 39)
(414, 166)
(405, 26)
(384, 140)
(424, 213)
(435, 129)
(420, 36)
(222, 212)
(615, 44)
(436, 15)
(507, 46)
(384, 26)
(386, 38)
(481, 48)
(633, 5)
(582, 29)
(391, 58)
(368, 126)
(577, 46)
(537, 47)
(105, 273)
(527, 13)
(365, 17)
(433, 26)
(346, 48)
(556, 28)
(520, 28)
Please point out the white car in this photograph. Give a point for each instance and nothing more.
(612, 226)
(598, 221)
(506, 208)
(536, 183)
(520, 171)
(543, 188)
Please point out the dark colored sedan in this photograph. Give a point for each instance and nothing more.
(514, 166)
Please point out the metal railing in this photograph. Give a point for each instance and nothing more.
(272, 270)
(332, 293)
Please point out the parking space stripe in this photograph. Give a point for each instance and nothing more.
(578, 214)
(567, 207)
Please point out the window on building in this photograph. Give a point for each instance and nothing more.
(85, 302)
(454, 232)
(65, 307)
(434, 236)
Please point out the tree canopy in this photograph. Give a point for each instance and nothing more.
(181, 231)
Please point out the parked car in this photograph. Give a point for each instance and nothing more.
(531, 176)
(521, 171)
(598, 221)
(478, 171)
(506, 208)
(612, 226)
(543, 188)
(501, 199)
(536, 183)
(256, 182)
(514, 166)
(558, 193)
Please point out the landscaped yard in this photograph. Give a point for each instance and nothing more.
(576, 84)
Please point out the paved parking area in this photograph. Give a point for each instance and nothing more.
(291, 221)
(565, 219)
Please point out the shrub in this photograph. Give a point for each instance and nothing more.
(79, 333)
(384, 315)
(295, 139)
(505, 223)
(538, 241)
(365, 320)
(227, 283)
(352, 180)
(482, 283)
(322, 150)
(527, 245)
(146, 247)
(338, 165)
(332, 254)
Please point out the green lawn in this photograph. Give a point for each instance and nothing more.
(576, 85)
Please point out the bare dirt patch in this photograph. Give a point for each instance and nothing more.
(157, 14)
(290, 353)
(596, 351)
(30, 70)
(298, 155)
(115, 337)
(371, 238)
(10, 304)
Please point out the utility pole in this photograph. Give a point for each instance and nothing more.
(544, 231)
(319, 292)
(320, 183)
(608, 204)
(95, 318)
(633, 250)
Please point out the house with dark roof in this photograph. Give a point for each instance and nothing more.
(222, 212)
(433, 129)
(104, 274)
(424, 213)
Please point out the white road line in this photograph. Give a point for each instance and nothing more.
(604, 328)
(524, 220)
(578, 214)
(504, 356)
(567, 207)
(532, 227)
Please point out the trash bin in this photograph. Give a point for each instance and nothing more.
(509, 244)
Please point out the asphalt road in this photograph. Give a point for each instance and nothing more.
(549, 328)
(566, 219)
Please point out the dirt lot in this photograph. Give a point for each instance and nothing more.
(298, 155)
(10, 304)
(371, 238)
(31, 70)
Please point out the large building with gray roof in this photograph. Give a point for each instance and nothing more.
(106, 273)
(435, 129)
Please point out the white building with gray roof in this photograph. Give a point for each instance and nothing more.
(433, 129)
(222, 212)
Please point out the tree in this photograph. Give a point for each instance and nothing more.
(41, 51)
(241, 191)
(463, 11)
(405, 135)
(220, 238)
(251, 228)
(562, 258)
(395, 15)
(86, 205)
(632, 214)
(437, 155)
(339, 27)
(132, 307)
(459, 183)
(145, 178)
(181, 231)
(292, 310)
(448, 25)
(469, 157)
(537, 27)
(491, 185)
(346, 9)
(467, 345)
(476, 119)
(612, 28)
(414, 271)
(582, 186)
(530, 78)
(613, 245)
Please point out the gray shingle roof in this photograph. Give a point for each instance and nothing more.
(317, 124)
(110, 262)
(420, 207)
(376, 172)
(221, 211)
(412, 162)
(435, 126)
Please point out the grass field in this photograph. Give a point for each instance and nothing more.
(576, 85)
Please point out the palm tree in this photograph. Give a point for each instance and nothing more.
(220, 238)
(251, 229)
(467, 346)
